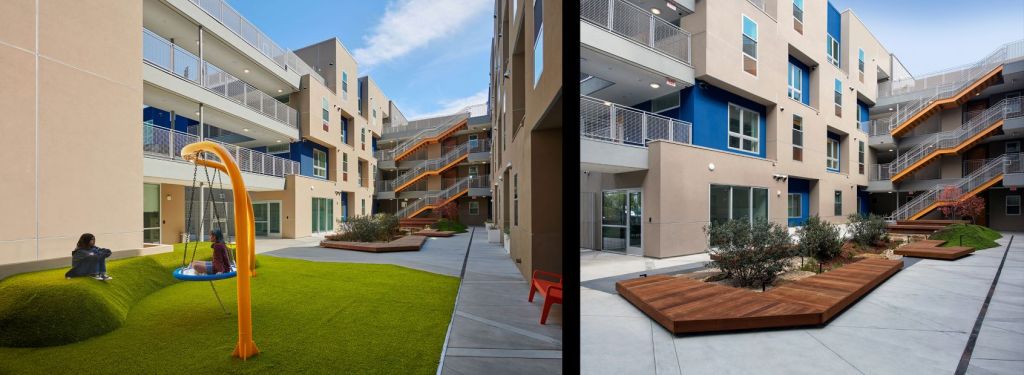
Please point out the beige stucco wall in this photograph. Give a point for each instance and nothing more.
(85, 67)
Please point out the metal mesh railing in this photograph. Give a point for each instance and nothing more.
(433, 131)
(167, 144)
(479, 145)
(952, 83)
(162, 53)
(1007, 108)
(636, 24)
(992, 169)
(426, 166)
(434, 198)
(611, 122)
(230, 18)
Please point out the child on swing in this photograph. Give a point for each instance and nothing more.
(221, 262)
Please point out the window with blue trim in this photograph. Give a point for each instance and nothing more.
(743, 129)
(796, 82)
(832, 155)
(832, 50)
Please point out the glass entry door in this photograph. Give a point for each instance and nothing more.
(267, 217)
(621, 218)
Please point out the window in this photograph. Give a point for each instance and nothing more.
(538, 41)
(798, 16)
(796, 82)
(474, 208)
(473, 171)
(798, 138)
(1012, 147)
(327, 112)
(738, 203)
(839, 204)
(344, 166)
(860, 63)
(515, 199)
(860, 156)
(322, 215)
(1013, 205)
(473, 141)
(743, 129)
(344, 85)
(362, 137)
(278, 149)
(664, 103)
(362, 206)
(749, 46)
(151, 213)
(839, 98)
(319, 163)
(832, 50)
(795, 208)
(832, 155)
(374, 113)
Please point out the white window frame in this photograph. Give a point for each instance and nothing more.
(838, 203)
(326, 109)
(832, 154)
(861, 157)
(474, 208)
(838, 99)
(799, 205)
(832, 48)
(1008, 205)
(750, 200)
(319, 171)
(799, 18)
(743, 34)
(795, 76)
(860, 60)
(757, 130)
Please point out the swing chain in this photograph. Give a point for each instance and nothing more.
(188, 213)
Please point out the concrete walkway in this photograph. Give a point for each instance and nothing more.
(495, 330)
(917, 322)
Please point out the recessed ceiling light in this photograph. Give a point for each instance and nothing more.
(246, 70)
(655, 85)
(279, 90)
(278, 141)
(890, 108)
(245, 129)
(197, 113)
(890, 150)
(607, 103)
(655, 10)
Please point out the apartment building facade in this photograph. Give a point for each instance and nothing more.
(303, 126)
(525, 104)
(437, 165)
(695, 112)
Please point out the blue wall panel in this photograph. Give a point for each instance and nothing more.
(303, 153)
(708, 110)
(802, 187)
(834, 23)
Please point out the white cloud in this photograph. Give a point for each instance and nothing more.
(450, 106)
(411, 24)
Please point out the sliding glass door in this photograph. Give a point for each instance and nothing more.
(267, 217)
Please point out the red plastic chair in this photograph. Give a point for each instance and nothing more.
(551, 290)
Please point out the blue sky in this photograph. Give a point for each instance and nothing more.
(931, 35)
(429, 56)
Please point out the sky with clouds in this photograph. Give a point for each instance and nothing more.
(429, 56)
(932, 35)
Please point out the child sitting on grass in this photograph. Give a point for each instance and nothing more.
(89, 260)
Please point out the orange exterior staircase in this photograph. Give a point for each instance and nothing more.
(955, 150)
(935, 105)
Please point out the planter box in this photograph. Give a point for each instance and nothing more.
(508, 244)
(493, 235)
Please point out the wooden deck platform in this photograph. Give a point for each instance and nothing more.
(407, 243)
(932, 249)
(684, 305)
(435, 233)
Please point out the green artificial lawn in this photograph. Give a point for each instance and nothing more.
(447, 225)
(307, 317)
(975, 236)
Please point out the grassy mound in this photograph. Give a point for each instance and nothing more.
(308, 317)
(448, 225)
(45, 309)
(975, 236)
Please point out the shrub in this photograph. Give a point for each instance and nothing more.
(820, 239)
(366, 228)
(867, 230)
(750, 254)
(449, 225)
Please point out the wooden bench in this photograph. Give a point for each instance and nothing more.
(932, 249)
(684, 305)
(551, 290)
(407, 243)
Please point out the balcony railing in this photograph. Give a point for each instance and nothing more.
(929, 91)
(176, 60)
(479, 145)
(167, 144)
(230, 18)
(434, 198)
(951, 76)
(636, 24)
(426, 166)
(443, 125)
(1007, 163)
(480, 181)
(619, 124)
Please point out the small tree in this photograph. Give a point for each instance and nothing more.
(867, 230)
(972, 208)
(449, 211)
(750, 254)
(948, 198)
(820, 239)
